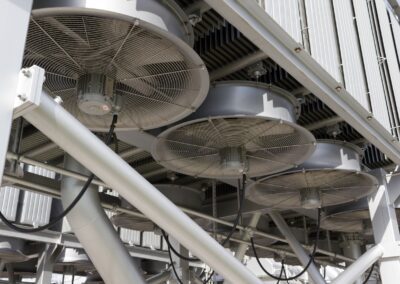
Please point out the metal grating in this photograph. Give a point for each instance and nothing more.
(154, 77)
(194, 149)
(334, 187)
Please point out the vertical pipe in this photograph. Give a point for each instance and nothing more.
(61, 127)
(296, 247)
(95, 231)
(352, 248)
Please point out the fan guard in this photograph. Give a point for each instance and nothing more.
(127, 57)
(350, 218)
(331, 176)
(180, 195)
(241, 127)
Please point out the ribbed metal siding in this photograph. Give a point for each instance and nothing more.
(353, 68)
(36, 207)
(130, 237)
(374, 80)
(151, 240)
(323, 40)
(390, 50)
(9, 202)
(286, 14)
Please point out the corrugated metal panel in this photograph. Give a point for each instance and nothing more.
(374, 80)
(323, 40)
(390, 51)
(130, 237)
(9, 202)
(36, 207)
(286, 14)
(151, 240)
(353, 69)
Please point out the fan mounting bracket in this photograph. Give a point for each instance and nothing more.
(29, 90)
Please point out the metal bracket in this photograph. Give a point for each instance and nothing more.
(30, 83)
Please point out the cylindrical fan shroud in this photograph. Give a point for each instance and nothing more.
(142, 46)
(351, 217)
(333, 170)
(180, 195)
(241, 127)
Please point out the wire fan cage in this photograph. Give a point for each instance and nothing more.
(331, 176)
(240, 128)
(154, 77)
(351, 217)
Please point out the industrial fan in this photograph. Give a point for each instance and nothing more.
(242, 127)
(332, 175)
(180, 195)
(128, 57)
(351, 217)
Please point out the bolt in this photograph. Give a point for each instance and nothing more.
(338, 88)
(369, 117)
(22, 97)
(58, 100)
(26, 72)
(297, 49)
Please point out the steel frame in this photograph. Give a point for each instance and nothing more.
(60, 126)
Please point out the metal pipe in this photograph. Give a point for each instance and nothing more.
(55, 169)
(40, 150)
(95, 231)
(61, 127)
(246, 235)
(237, 65)
(354, 271)
(55, 193)
(159, 278)
(296, 247)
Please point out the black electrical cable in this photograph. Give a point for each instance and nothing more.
(73, 203)
(369, 274)
(175, 251)
(239, 213)
(227, 238)
(282, 269)
(309, 261)
(173, 266)
(284, 272)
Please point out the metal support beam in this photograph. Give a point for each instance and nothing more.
(181, 265)
(46, 263)
(354, 271)
(386, 229)
(237, 65)
(160, 278)
(61, 127)
(266, 34)
(296, 247)
(95, 231)
(246, 235)
(14, 21)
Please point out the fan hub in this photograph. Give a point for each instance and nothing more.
(233, 158)
(310, 198)
(95, 94)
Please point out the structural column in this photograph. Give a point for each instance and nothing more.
(351, 247)
(14, 21)
(386, 228)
